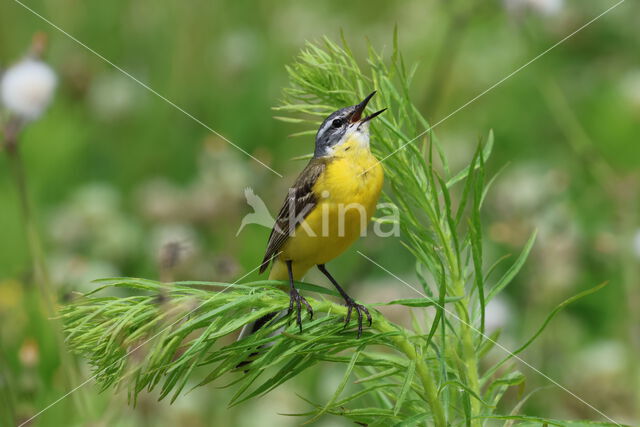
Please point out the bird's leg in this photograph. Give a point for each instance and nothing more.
(297, 299)
(351, 304)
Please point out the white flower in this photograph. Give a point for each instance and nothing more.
(543, 7)
(27, 88)
(547, 7)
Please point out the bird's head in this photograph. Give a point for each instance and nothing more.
(346, 124)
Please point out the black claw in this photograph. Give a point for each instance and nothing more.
(366, 311)
(291, 299)
(347, 319)
(309, 309)
(299, 316)
(298, 300)
(352, 305)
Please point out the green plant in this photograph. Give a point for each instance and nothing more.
(26, 88)
(430, 373)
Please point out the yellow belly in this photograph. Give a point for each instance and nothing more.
(347, 194)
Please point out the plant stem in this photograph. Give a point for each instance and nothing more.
(422, 369)
(41, 275)
(468, 350)
(462, 308)
(405, 346)
(38, 259)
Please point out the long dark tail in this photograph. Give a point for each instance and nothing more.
(279, 271)
(250, 329)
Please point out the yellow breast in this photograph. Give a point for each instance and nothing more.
(347, 194)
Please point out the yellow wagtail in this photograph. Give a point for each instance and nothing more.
(328, 207)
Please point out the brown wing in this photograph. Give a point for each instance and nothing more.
(300, 202)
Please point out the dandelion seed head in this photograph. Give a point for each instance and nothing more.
(547, 7)
(174, 236)
(542, 7)
(27, 88)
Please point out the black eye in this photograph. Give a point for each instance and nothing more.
(337, 123)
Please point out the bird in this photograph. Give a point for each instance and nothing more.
(327, 208)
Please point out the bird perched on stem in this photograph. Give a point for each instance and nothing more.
(327, 208)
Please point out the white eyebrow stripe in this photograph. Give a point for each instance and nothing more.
(324, 128)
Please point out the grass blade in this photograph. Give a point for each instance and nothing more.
(514, 269)
(406, 386)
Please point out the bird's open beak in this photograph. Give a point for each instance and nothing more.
(356, 116)
(371, 116)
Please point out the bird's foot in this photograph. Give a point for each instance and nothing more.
(359, 308)
(295, 302)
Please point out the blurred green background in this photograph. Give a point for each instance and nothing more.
(115, 172)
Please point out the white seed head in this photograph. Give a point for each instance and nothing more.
(542, 7)
(547, 7)
(27, 88)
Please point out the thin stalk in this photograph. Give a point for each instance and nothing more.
(405, 346)
(430, 388)
(468, 349)
(38, 259)
(40, 272)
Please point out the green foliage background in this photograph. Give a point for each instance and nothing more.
(566, 126)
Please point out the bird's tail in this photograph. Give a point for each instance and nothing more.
(278, 272)
(250, 329)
